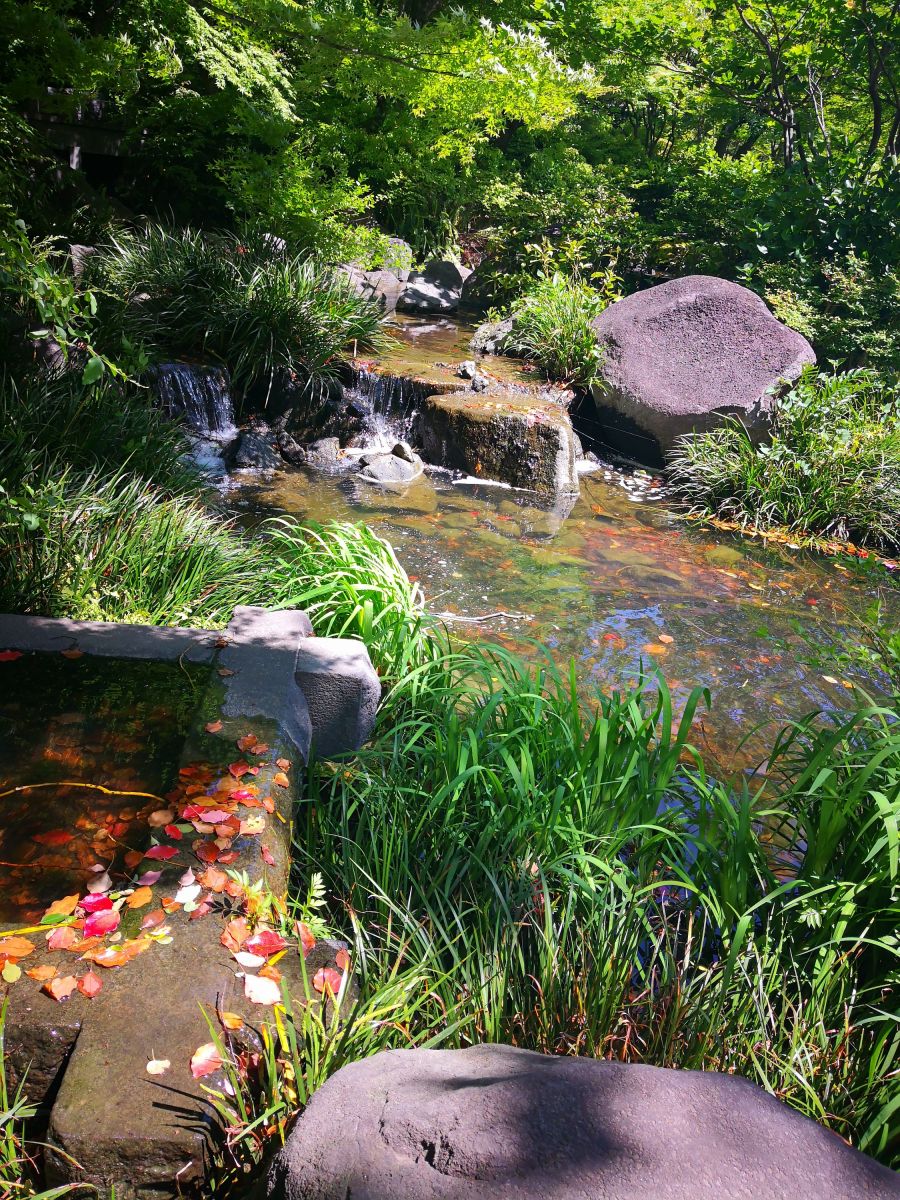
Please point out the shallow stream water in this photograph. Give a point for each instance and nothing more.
(617, 584)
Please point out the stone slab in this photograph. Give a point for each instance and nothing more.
(342, 693)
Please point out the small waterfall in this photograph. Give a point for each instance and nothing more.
(200, 395)
(392, 404)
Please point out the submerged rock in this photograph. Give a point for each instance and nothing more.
(509, 1124)
(683, 356)
(521, 439)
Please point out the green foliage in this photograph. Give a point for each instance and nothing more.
(849, 308)
(832, 467)
(237, 299)
(552, 326)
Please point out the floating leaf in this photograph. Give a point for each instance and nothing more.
(205, 1060)
(213, 726)
(283, 764)
(161, 852)
(158, 1066)
(666, 638)
(54, 837)
(281, 780)
(162, 816)
(89, 985)
(260, 990)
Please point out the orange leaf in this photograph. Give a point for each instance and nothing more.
(342, 960)
(327, 980)
(63, 937)
(63, 908)
(213, 726)
(43, 973)
(235, 934)
(152, 919)
(283, 763)
(61, 987)
(15, 947)
(247, 742)
(237, 769)
(214, 879)
(304, 933)
(72, 653)
(53, 837)
(140, 897)
(205, 1060)
(231, 1020)
(281, 780)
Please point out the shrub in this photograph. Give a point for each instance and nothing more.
(552, 325)
(237, 300)
(832, 467)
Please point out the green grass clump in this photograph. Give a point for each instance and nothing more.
(234, 299)
(831, 467)
(552, 326)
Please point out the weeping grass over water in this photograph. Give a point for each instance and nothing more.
(510, 867)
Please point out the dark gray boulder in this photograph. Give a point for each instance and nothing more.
(254, 450)
(489, 337)
(682, 356)
(434, 289)
(390, 468)
(383, 286)
(499, 1123)
(518, 438)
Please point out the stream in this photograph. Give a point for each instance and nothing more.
(613, 580)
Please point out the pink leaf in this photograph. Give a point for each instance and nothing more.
(101, 922)
(205, 1060)
(161, 852)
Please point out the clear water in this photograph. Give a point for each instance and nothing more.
(116, 723)
(611, 580)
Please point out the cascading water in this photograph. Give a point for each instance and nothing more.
(201, 395)
(391, 404)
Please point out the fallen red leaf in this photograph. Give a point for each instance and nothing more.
(160, 852)
(95, 903)
(327, 980)
(205, 1060)
(173, 832)
(62, 938)
(265, 942)
(89, 985)
(99, 923)
(267, 855)
(237, 769)
(342, 960)
(55, 837)
(235, 934)
(154, 918)
(304, 933)
(10, 655)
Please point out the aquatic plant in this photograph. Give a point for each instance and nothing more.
(831, 466)
(552, 326)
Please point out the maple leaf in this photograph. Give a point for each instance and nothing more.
(260, 990)
(60, 987)
(205, 1060)
(89, 985)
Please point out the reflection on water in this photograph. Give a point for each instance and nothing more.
(613, 584)
(85, 720)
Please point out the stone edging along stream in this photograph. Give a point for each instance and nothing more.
(109, 1122)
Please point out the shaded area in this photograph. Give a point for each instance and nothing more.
(120, 724)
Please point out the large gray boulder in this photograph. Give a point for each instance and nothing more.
(435, 289)
(682, 356)
(382, 286)
(518, 438)
(499, 1123)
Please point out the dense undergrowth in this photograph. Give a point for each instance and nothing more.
(831, 466)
